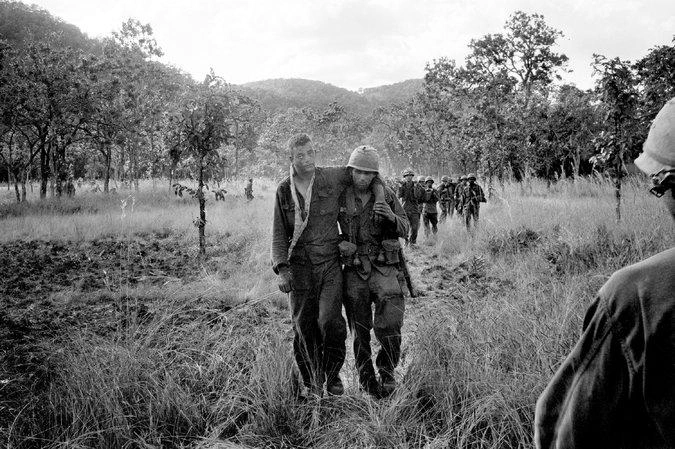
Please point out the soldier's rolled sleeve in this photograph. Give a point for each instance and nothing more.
(582, 403)
(280, 235)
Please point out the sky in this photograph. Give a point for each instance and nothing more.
(364, 43)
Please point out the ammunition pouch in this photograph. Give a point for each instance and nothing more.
(347, 252)
(391, 249)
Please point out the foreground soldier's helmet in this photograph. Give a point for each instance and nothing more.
(445, 179)
(429, 179)
(471, 176)
(364, 158)
(658, 151)
(408, 172)
(421, 179)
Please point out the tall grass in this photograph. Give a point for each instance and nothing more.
(209, 364)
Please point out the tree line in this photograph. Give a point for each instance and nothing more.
(107, 109)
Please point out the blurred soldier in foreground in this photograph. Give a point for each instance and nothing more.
(248, 190)
(472, 196)
(429, 211)
(459, 188)
(306, 257)
(446, 198)
(410, 198)
(371, 254)
(616, 389)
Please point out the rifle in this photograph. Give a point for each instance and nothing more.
(406, 273)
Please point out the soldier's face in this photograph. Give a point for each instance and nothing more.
(303, 159)
(362, 179)
(408, 178)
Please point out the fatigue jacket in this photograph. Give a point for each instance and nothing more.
(616, 389)
(368, 233)
(319, 240)
(430, 200)
(446, 193)
(410, 195)
(472, 195)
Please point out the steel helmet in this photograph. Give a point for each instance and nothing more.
(421, 179)
(658, 151)
(471, 176)
(429, 179)
(408, 172)
(445, 179)
(364, 158)
(462, 178)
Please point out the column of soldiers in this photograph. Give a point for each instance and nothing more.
(420, 201)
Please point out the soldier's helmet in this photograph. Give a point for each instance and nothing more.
(471, 176)
(421, 179)
(429, 179)
(364, 158)
(445, 179)
(658, 151)
(408, 172)
(462, 178)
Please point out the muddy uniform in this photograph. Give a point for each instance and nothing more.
(316, 299)
(430, 212)
(446, 200)
(616, 389)
(374, 280)
(472, 196)
(410, 196)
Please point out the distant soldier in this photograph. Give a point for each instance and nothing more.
(429, 210)
(459, 189)
(446, 198)
(70, 187)
(616, 389)
(472, 196)
(410, 197)
(371, 256)
(248, 190)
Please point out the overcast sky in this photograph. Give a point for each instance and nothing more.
(364, 43)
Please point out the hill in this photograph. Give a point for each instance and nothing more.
(392, 93)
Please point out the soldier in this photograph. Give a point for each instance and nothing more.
(616, 389)
(446, 198)
(429, 211)
(306, 257)
(248, 190)
(371, 252)
(410, 198)
(472, 196)
(459, 188)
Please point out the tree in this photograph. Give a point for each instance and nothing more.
(617, 91)
(205, 123)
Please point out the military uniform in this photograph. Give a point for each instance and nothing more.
(471, 197)
(411, 195)
(459, 203)
(316, 300)
(374, 279)
(446, 200)
(617, 387)
(248, 190)
(430, 212)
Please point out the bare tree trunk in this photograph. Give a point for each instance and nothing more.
(202, 209)
(44, 172)
(24, 177)
(16, 187)
(617, 194)
(8, 178)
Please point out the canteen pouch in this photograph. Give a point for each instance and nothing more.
(347, 252)
(391, 249)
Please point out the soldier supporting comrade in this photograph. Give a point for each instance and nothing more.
(306, 257)
(472, 196)
(410, 197)
(616, 389)
(371, 254)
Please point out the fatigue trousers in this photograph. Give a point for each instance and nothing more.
(430, 224)
(381, 289)
(414, 219)
(471, 211)
(447, 208)
(319, 329)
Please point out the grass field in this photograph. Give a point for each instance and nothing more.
(113, 335)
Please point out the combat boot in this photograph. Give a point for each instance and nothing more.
(388, 384)
(334, 386)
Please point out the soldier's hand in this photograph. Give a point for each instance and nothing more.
(285, 280)
(385, 211)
